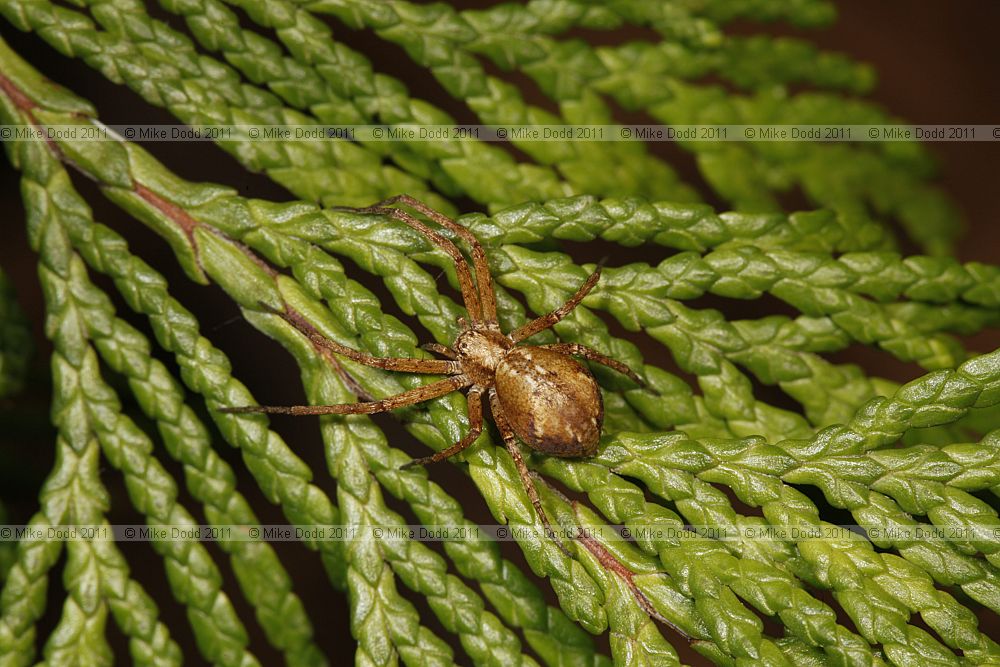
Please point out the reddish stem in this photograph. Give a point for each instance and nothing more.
(612, 564)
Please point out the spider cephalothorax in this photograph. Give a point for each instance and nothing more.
(539, 394)
(480, 350)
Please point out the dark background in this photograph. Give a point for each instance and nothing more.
(937, 63)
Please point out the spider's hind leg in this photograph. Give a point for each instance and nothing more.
(510, 441)
(590, 354)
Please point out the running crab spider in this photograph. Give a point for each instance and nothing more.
(538, 394)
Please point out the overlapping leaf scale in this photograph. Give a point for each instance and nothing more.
(15, 340)
(432, 35)
(163, 67)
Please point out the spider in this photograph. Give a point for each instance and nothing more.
(538, 394)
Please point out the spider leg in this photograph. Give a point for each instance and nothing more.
(546, 321)
(590, 354)
(469, 293)
(418, 395)
(475, 428)
(483, 277)
(510, 441)
(437, 348)
(436, 366)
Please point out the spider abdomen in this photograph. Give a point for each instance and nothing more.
(551, 401)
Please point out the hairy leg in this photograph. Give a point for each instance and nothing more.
(546, 321)
(577, 350)
(469, 293)
(483, 277)
(510, 441)
(418, 395)
(437, 348)
(475, 428)
(437, 366)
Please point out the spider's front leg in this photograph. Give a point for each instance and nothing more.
(545, 321)
(480, 300)
(437, 348)
(405, 364)
(327, 348)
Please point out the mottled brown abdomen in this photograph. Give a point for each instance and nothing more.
(551, 400)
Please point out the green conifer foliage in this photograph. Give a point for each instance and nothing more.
(703, 451)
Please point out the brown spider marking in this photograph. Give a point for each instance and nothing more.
(538, 394)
